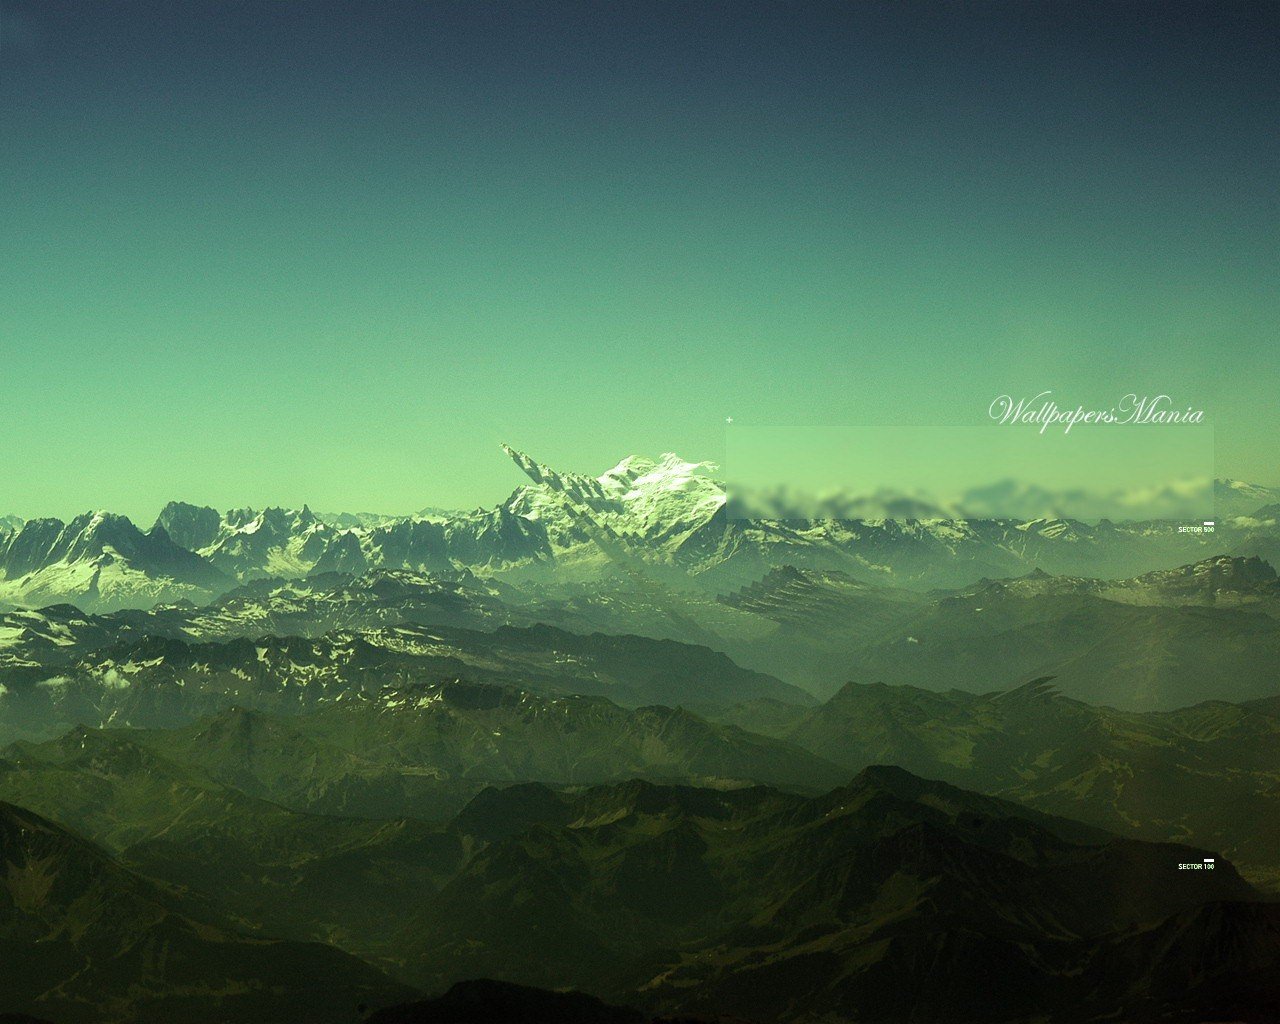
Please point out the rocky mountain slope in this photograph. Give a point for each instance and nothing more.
(1209, 630)
(731, 899)
(246, 544)
(60, 668)
(786, 909)
(423, 749)
(1206, 774)
(100, 561)
(86, 940)
(889, 898)
(1222, 581)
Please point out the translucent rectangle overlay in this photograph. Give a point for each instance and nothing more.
(1119, 473)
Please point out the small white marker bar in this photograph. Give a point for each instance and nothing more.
(1208, 522)
(1208, 860)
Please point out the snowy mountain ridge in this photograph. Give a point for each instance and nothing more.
(101, 560)
(664, 517)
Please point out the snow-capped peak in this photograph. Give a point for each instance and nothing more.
(661, 502)
(638, 475)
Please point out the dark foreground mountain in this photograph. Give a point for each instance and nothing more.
(485, 1001)
(1207, 774)
(890, 899)
(295, 875)
(496, 1002)
(85, 940)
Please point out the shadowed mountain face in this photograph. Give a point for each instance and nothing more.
(496, 1002)
(85, 940)
(100, 561)
(302, 876)
(419, 751)
(750, 901)
(783, 908)
(1207, 774)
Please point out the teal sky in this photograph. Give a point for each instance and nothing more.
(259, 253)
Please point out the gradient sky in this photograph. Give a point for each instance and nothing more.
(263, 253)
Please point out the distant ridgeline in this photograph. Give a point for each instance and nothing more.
(663, 520)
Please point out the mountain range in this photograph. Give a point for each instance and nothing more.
(749, 901)
(269, 765)
(1159, 641)
(645, 519)
(103, 561)
(430, 832)
(1205, 774)
(1208, 630)
(61, 668)
(778, 908)
(1189, 500)
(424, 749)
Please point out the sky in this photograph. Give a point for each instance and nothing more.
(261, 253)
